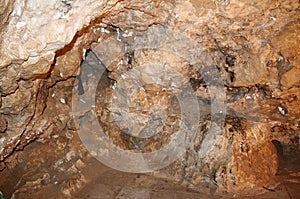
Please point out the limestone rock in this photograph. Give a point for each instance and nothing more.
(154, 51)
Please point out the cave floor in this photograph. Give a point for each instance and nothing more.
(62, 168)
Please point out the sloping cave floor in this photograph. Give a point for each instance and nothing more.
(62, 168)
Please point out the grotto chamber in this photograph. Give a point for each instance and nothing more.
(149, 99)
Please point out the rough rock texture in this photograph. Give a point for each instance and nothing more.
(253, 44)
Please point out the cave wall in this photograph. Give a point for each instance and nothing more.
(254, 44)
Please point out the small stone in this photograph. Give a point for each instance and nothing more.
(127, 34)
(282, 110)
(105, 30)
(79, 164)
(62, 100)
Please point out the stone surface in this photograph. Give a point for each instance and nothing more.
(3, 124)
(254, 46)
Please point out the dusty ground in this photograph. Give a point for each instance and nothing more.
(62, 168)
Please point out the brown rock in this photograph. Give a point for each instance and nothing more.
(3, 124)
(253, 44)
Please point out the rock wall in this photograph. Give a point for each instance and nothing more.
(253, 44)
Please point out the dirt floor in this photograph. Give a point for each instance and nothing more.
(62, 168)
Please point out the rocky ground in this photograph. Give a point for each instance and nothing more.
(62, 168)
(224, 74)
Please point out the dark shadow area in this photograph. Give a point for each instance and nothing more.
(288, 158)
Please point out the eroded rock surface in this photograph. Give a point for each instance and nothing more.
(253, 45)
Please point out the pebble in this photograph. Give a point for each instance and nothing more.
(282, 110)
(62, 100)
